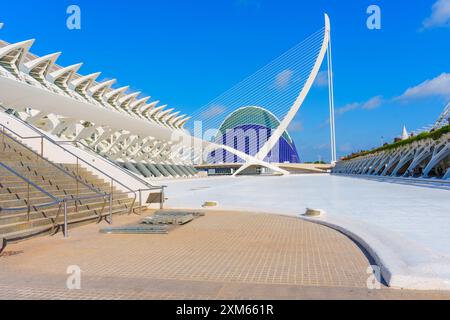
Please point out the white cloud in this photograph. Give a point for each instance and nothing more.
(283, 78)
(295, 126)
(439, 86)
(321, 79)
(370, 104)
(348, 107)
(213, 111)
(440, 15)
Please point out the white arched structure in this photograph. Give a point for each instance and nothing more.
(271, 142)
(116, 123)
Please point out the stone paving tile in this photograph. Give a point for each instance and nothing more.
(224, 255)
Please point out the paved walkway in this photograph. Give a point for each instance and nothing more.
(406, 226)
(224, 255)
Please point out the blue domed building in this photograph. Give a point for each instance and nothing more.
(247, 129)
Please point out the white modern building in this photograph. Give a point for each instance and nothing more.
(128, 129)
(426, 155)
(134, 131)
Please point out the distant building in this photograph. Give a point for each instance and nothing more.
(247, 129)
(404, 133)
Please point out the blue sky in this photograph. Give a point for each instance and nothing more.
(186, 53)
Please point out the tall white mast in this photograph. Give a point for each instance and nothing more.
(331, 99)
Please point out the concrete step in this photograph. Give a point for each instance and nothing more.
(56, 180)
(36, 201)
(21, 235)
(43, 220)
(11, 218)
(70, 189)
(34, 193)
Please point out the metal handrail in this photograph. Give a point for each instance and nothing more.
(42, 135)
(64, 201)
(41, 156)
(161, 206)
(113, 180)
(56, 200)
(128, 172)
(150, 187)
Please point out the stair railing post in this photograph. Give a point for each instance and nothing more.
(112, 188)
(66, 230)
(140, 200)
(42, 146)
(28, 201)
(77, 178)
(161, 206)
(110, 208)
(3, 138)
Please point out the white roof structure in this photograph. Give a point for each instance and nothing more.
(114, 95)
(162, 114)
(40, 67)
(135, 105)
(154, 112)
(112, 119)
(12, 55)
(444, 117)
(182, 122)
(82, 84)
(170, 117)
(175, 121)
(146, 109)
(125, 101)
(100, 89)
(64, 75)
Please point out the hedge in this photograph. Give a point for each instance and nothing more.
(435, 135)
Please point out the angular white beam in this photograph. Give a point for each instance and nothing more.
(177, 119)
(154, 113)
(170, 117)
(114, 95)
(64, 75)
(146, 109)
(12, 55)
(181, 124)
(100, 89)
(82, 84)
(135, 105)
(162, 114)
(125, 101)
(38, 68)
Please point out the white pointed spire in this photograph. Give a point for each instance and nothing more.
(405, 134)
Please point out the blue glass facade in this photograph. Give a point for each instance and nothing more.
(237, 133)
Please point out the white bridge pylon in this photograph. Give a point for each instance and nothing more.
(258, 159)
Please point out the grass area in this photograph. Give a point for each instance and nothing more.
(436, 134)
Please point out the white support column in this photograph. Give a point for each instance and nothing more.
(331, 99)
